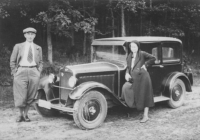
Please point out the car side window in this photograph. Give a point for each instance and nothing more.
(168, 53)
(152, 48)
(171, 53)
(155, 53)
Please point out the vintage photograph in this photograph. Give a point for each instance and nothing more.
(100, 69)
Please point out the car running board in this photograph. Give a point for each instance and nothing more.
(160, 98)
(49, 105)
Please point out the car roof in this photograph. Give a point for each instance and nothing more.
(122, 40)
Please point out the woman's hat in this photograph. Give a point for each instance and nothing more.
(136, 42)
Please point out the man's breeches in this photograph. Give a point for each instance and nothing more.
(25, 86)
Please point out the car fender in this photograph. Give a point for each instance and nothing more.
(170, 78)
(80, 90)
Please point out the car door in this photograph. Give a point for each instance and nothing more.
(171, 57)
(156, 70)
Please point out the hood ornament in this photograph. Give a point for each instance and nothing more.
(66, 69)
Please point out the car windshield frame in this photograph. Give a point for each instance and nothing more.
(116, 53)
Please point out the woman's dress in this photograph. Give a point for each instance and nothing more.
(139, 93)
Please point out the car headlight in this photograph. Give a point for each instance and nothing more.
(72, 81)
(51, 78)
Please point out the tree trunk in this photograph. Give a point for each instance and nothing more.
(141, 23)
(123, 32)
(49, 43)
(84, 44)
(92, 37)
(150, 18)
(84, 34)
(72, 39)
(113, 19)
(128, 26)
(113, 23)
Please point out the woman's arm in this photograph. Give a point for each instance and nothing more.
(127, 74)
(149, 59)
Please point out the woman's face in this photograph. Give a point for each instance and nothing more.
(133, 47)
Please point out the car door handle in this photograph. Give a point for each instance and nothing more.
(160, 66)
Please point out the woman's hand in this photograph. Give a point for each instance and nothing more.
(127, 76)
(144, 67)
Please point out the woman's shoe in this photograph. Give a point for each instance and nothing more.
(144, 119)
(26, 119)
(20, 119)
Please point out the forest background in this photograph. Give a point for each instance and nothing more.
(66, 28)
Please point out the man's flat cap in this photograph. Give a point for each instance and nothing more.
(29, 29)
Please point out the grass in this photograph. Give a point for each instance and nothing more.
(196, 80)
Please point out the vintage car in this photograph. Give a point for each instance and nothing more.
(86, 91)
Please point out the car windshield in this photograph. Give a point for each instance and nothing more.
(113, 53)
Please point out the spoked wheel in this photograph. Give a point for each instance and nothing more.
(90, 111)
(177, 94)
(43, 111)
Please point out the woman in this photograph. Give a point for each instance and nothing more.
(137, 91)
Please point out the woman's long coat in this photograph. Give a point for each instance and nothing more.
(139, 93)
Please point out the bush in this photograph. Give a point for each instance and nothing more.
(6, 95)
(4, 60)
(5, 77)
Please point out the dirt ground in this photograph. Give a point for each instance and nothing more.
(121, 124)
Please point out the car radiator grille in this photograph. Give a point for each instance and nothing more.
(107, 80)
(64, 78)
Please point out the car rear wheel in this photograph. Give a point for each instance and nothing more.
(90, 111)
(43, 111)
(177, 94)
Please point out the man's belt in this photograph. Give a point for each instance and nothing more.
(28, 66)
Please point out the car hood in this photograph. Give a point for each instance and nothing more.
(93, 67)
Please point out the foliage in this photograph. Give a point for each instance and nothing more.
(4, 60)
(6, 95)
(131, 5)
(163, 18)
(3, 5)
(174, 20)
(64, 18)
(4, 67)
(86, 25)
(191, 16)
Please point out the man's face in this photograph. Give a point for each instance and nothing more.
(29, 36)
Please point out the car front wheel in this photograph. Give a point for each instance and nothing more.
(90, 111)
(177, 94)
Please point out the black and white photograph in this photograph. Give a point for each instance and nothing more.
(99, 69)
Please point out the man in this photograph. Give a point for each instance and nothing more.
(26, 64)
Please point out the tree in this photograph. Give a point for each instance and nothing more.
(3, 12)
(112, 18)
(56, 19)
(62, 19)
(128, 6)
(67, 20)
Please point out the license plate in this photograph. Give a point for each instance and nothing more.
(45, 104)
